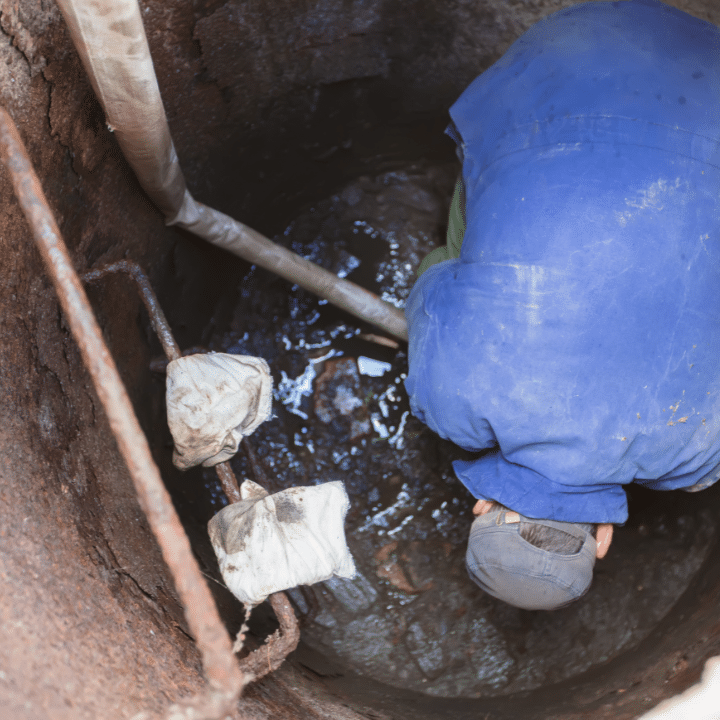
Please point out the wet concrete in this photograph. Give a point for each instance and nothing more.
(412, 618)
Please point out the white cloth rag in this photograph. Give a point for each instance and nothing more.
(213, 401)
(268, 543)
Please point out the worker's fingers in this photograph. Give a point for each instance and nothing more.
(603, 540)
(482, 506)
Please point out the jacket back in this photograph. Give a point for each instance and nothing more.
(577, 338)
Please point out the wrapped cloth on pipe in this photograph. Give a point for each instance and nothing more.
(213, 401)
(268, 543)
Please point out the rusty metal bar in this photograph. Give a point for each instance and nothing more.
(157, 316)
(228, 481)
(280, 644)
(223, 674)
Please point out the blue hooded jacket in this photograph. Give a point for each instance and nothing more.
(578, 334)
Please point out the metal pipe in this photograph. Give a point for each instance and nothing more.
(110, 38)
(224, 677)
(241, 240)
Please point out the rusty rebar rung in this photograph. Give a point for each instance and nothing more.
(157, 316)
(279, 645)
(228, 481)
(270, 656)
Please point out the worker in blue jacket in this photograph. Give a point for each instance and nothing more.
(570, 329)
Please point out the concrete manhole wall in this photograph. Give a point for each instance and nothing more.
(271, 105)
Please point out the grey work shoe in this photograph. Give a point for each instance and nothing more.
(508, 567)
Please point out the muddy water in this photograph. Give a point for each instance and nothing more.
(412, 618)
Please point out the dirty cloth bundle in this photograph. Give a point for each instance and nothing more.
(264, 543)
(268, 543)
(213, 401)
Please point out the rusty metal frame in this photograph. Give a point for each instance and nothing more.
(225, 679)
(281, 643)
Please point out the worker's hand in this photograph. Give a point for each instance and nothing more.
(482, 506)
(603, 539)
